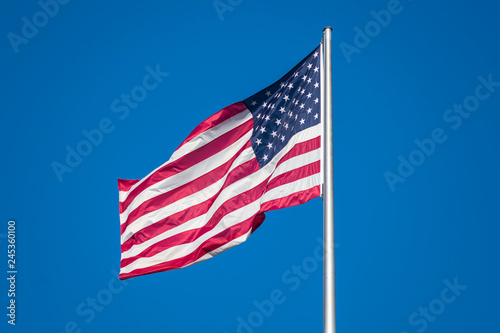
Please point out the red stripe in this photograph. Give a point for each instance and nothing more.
(216, 119)
(126, 184)
(191, 212)
(295, 174)
(183, 191)
(190, 236)
(293, 199)
(209, 245)
(191, 159)
(200, 209)
(228, 206)
(302, 148)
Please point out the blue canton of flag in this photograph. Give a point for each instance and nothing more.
(285, 108)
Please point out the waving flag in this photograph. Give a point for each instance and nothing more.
(257, 155)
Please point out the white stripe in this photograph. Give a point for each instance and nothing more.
(297, 162)
(192, 200)
(289, 188)
(211, 134)
(199, 141)
(187, 175)
(232, 190)
(122, 195)
(185, 202)
(227, 221)
(221, 249)
(183, 250)
(302, 136)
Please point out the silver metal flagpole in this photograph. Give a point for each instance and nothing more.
(328, 217)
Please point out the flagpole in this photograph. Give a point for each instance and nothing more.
(328, 212)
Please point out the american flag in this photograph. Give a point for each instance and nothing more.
(253, 156)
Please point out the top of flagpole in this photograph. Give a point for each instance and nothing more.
(329, 28)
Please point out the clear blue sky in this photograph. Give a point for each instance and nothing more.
(417, 247)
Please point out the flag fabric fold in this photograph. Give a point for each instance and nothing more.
(261, 154)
